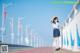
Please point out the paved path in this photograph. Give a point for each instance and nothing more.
(42, 50)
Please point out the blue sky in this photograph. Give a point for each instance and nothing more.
(36, 14)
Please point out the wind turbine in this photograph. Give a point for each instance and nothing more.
(3, 20)
(4, 14)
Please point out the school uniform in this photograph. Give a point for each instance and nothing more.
(56, 35)
(56, 31)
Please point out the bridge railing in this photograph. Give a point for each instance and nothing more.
(71, 35)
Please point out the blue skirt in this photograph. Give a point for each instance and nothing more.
(56, 32)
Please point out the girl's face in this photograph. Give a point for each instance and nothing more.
(56, 20)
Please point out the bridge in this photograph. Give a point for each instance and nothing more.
(34, 43)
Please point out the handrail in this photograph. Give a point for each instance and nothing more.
(72, 12)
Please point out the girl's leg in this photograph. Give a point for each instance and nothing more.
(55, 42)
(58, 43)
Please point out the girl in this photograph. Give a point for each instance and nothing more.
(56, 32)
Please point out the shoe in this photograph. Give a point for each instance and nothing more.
(57, 49)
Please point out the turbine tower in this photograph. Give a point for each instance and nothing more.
(20, 34)
(12, 31)
(29, 35)
(27, 42)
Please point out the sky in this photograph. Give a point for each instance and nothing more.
(35, 14)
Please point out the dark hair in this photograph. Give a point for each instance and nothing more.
(53, 21)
